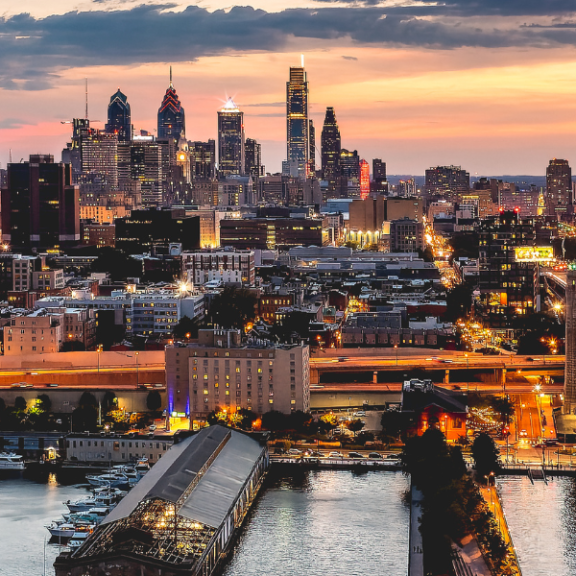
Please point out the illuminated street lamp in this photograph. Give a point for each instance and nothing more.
(396, 350)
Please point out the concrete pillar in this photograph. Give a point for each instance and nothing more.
(503, 376)
(314, 376)
(375, 377)
(446, 376)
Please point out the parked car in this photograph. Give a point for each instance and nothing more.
(335, 455)
(279, 451)
(393, 457)
(294, 451)
(375, 456)
(355, 455)
(360, 413)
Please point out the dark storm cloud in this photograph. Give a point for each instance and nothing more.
(33, 50)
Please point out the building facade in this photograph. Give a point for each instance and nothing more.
(231, 153)
(297, 121)
(223, 372)
(119, 117)
(219, 265)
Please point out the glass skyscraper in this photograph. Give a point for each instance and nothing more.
(230, 140)
(119, 117)
(171, 122)
(297, 124)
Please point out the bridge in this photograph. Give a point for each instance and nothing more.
(406, 360)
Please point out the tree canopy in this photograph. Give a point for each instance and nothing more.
(233, 307)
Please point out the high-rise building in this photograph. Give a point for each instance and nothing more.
(297, 122)
(559, 198)
(40, 206)
(230, 140)
(447, 181)
(99, 162)
(171, 121)
(141, 161)
(119, 117)
(253, 160)
(570, 370)
(312, 160)
(379, 176)
(331, 146)
(203, 159)
(364, 179)
(349, 174)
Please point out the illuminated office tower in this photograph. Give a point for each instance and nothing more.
(558, 187)
(230, 140)
(119, 117)
(171, 121)
(312, 156)
(331, 147)
(253, 159)
(379, 176)
(297, 122)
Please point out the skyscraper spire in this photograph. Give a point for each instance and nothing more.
(171, 115)
(171, 85)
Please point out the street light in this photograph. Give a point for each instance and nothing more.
(396, 350)
(137, 382)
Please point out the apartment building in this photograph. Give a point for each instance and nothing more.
(222, 371)
(225, 266)
(36, 333)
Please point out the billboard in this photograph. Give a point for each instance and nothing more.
(534, 253)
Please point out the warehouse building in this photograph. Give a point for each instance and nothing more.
(180, 519)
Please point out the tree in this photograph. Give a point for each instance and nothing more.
(85, 416)
(464, 245)
(274, 421)
(186, 328)
(45, 403)
(233, 307)
(355, 426)
(394, 424)
(154, 401)
(109, 402)
(2, 406)
(486, 455)
(20, 404)
(117, 264)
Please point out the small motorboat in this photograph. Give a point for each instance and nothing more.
(62, 530)
(11, 461)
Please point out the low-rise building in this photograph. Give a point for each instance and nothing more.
(37, 333)
(224, 266)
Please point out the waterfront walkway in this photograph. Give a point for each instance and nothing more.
(416, 556)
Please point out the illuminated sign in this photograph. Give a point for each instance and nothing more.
(534, 253)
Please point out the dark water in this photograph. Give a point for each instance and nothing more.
(328, 523)
(25, 507)
(542, 521)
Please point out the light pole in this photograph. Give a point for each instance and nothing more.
(137, 381)
(467, 375)
(396, 350)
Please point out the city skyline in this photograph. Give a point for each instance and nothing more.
(494, 102)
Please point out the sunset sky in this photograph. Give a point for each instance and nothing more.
(488, 84)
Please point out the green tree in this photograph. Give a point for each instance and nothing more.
(153, 401)
(45, 403)
(85, 416)
(109, 402)
(233, 307)
(486, 455)
(394, 424)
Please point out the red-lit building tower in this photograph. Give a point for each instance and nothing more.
(364, 179)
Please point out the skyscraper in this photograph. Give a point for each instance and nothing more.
(312, 135)
(171, 122)
(40, 206)
(447, 181)
(253, 160)
(297, 124)
(350, 174)
(203, 159)
(230, 140)
(558, 188)
(119, 117)
(331, 146)
(364, 179)
(379, 176)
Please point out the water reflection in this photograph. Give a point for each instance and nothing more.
(542, 520)
(326, 523)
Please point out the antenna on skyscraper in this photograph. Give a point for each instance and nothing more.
(10, 156)
(171, 86)
(302, 60)
(86, 89)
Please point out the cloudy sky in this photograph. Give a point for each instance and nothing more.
(488, 84)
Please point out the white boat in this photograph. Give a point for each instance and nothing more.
(82, 531)
(99, 501)
(63, 530)
(11, 461)
(112, 480)
(142, 466)
(93, 515)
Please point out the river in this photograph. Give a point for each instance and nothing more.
(542, 521)
(326, 523)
